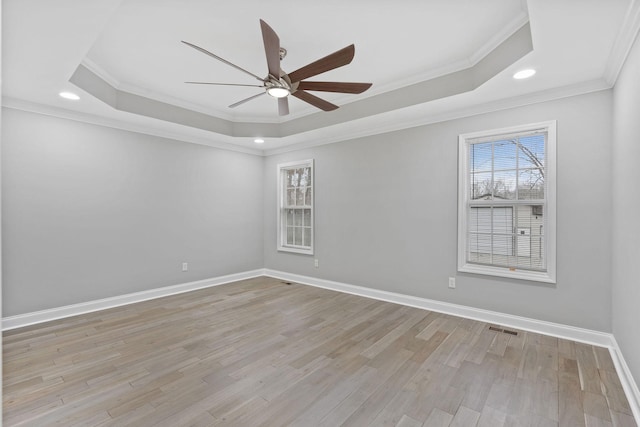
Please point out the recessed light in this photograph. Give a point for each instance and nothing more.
(524, 74)
(258, 141)
(69, 95)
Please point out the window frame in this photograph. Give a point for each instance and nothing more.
(548, 276)
(281, 169)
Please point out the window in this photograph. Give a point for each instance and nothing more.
(507, 202)
(295, 207)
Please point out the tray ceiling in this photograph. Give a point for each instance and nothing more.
(125, 59)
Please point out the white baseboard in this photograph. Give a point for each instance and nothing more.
(573, 333)
(628, 384)
(27, 319)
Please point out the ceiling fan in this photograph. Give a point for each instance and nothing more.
(280, 85)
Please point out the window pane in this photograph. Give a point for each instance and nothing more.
(289, 217)
(479, 244)
(480, 157)
(531, 151)
(523, 216)
(530, 184)
(297, 238)
(307, 172)
(504, 155)
(305, 177)
(307, 236)
(523, 235)
(529, 227)
(530, 252)
(291, 178)
(290, 235)
(480, 186)
(300, 176)
(480, 220)
(307, 197)
(504, 185)
(307, 217)
(502, 245)
(291, 197)
(502, 220)
(297, 219)
(300, 197)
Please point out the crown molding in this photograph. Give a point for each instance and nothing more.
(156, 96)
(498, 38)
(184, 134)
(624, 42)
(101, 72)
(382, 123)
(415, 117)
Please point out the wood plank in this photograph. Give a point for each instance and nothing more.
(465, 417)
(407, 421)
(438, 418)
(596, 406)
(613, 392)
(570, 408)
(587, 368)
(259, 352)
(491, 417)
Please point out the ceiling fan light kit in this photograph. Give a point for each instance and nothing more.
(277, 88)
(280, 85)
(278, 92)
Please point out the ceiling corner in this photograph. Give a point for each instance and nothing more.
(624, 41)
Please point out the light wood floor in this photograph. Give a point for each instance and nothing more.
(264, 353)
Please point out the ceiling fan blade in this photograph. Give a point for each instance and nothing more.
(221, 84)
(213, 55)
(329, 62)
(246, 100)
(314, 100)
(271, 48)
(283, 106)
(341, 87)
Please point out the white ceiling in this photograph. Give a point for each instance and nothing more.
(134, 46)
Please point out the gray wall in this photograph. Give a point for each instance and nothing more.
(386, 215)
(626, 208)
(91, 212)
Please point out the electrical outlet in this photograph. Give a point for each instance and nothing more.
(315, 263)
(452, 282)
(185, 266)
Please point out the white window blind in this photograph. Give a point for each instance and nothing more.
(507, 202)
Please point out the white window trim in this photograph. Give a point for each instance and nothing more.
(548, 276)
(282, 246)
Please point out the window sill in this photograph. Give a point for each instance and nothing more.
(536, 276)
(295, 250)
